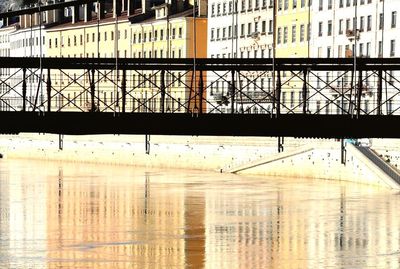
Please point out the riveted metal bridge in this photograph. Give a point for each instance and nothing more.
(330, 98)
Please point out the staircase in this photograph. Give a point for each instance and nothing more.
(381, 164)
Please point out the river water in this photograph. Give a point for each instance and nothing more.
(64, 215)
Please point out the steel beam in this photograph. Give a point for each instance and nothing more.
(162, 86)
(201, 89)
(284, 64)
(48, 90)
(123, 89)
(379, 97)
(24, 89)
(233, 92)
(287, 125)
(305, 91)
(278, 94)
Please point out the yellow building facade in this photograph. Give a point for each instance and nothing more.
(169, 37)
(159, 36)
(292, 40)
(105, 38)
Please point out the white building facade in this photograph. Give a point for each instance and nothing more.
(239, 29)
(337, 33)
(5, 50)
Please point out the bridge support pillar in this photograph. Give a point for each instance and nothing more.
(281, 140)
(342, 152)
(147, 144)
(60, 141)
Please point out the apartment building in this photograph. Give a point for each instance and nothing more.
(7, 102)
(156, 29)
(108, 37)
(365, 29)
(170, 35)
(239, 29)
(292, 37)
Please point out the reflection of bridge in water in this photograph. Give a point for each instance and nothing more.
(328, 97)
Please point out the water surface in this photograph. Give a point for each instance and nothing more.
(63, 215)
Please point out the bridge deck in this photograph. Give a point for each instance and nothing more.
(292, 125)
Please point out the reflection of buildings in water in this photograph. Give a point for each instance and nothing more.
(296, 229)
(4, 217)
(23, 215)
(108, 224)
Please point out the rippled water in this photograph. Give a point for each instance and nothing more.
(57, 215)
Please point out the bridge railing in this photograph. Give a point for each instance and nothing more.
(234, 86)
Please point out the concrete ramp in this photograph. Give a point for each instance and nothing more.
(270, 159)
(387, 169)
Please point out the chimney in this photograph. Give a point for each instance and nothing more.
(131, 7)
(75, 14)
(117, 7)
(58, 14)
(27, 21)
(22, 21)
(181, 5)
(87, 12)
(5, 21)
(146, 8)
(201, 7)
(101, 9)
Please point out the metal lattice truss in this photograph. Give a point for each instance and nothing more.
(234, 86)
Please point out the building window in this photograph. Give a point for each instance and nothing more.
(369, 22)
(394, 15)
(321, 5)
(320, 29)
(302, 30)
(340, 26)
(285, 35)
(279, 38)
(329, 4)
(381, 21)
(361, 24)
(329, 28)
(392, 47)
(293, 33)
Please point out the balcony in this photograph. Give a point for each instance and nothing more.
(221, 99)
(353, 34)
